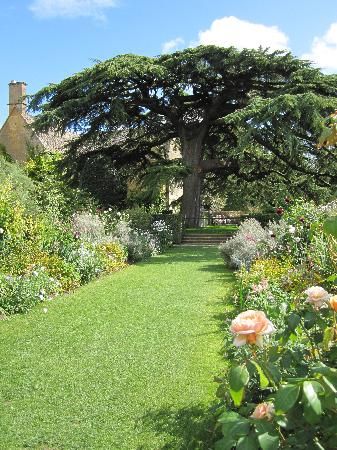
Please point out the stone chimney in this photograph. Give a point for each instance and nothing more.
(17, 90)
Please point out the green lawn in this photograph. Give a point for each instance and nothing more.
(126, 362)
(216, 229)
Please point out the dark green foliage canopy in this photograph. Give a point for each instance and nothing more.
(103, 181)
(248, 113)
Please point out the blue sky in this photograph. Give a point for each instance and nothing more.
(45, 41)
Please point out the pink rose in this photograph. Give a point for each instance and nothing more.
(257, 288)
(263, 411)
(249, 327)
(317, 296)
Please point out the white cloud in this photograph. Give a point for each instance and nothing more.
(324, 50)
(174, 44)
(231, 31)
(71, 8)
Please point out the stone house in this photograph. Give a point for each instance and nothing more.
(17, 134)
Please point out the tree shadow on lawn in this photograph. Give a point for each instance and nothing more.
(183, 254)
(188, 428)
(225, 275)
(207, 256)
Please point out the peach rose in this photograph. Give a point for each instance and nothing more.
(333, 302)
(317, 296)
(263, 411)
(249, 327)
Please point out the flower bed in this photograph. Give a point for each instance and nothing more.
(47, 249)
(280, 388)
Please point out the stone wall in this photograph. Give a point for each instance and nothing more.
(16, 136)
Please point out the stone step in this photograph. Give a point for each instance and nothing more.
(202, 239)
(201, 236)
(207, 236)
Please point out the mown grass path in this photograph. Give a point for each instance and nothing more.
(124, 363)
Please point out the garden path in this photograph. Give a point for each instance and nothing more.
(126, 362)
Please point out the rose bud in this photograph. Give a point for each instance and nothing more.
(333, 302)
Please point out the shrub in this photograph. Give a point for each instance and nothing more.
(23, 187)
(139, 244)
(174, 221)
(65, 272)
(163, 233)
(18, 294)
(115, 256)
(249, 242)
(54, 192)
(88, 227)
(272, 269)
(139, 218)
(87, 261)
(289, 375)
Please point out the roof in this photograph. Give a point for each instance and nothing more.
(50, 140)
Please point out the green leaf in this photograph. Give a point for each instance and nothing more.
(264, 382)
(247, 443)
(268, 441)
(312, 404)
(332, 278)
(234, 425)
(272, 372)
(282, 421)
(286, 397)
(238, 377)
(328, 338)
(325, 370)
(329, 385)
(310, 319)
(228, 416)
(287, 359)
(293, 320)
(224, 444)
(267, 435)
(237, 396)
(330, 226)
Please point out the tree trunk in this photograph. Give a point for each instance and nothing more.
(192, 143)
(192, 199)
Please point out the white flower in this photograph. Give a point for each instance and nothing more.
(35, 273)
(45, 310)
(2, 231)
(297, 239)
(292, 229)
(317, 296)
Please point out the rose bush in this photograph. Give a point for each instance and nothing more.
(280, 390)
